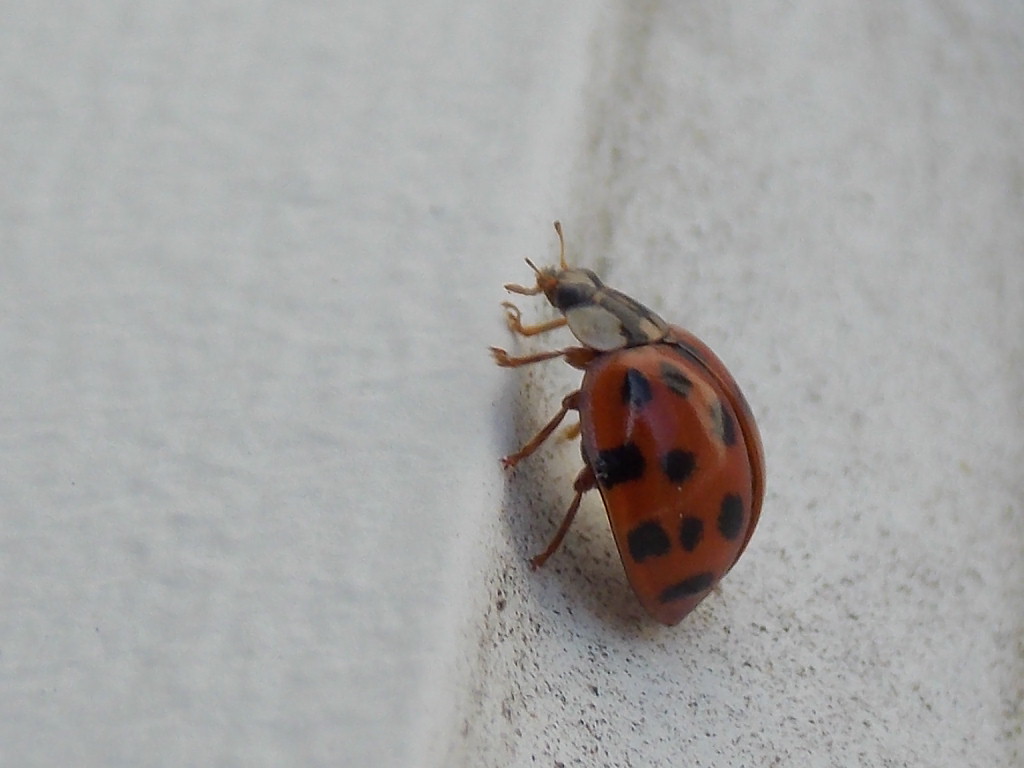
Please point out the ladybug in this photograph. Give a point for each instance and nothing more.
(666, 435)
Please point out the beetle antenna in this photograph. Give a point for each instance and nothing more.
(533, 267)
(561, 245)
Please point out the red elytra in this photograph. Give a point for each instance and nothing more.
(667, 438)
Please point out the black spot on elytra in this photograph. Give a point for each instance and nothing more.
(725, 426)
(678, 465)
(647, 540)
(636, 389)
(619, 465)
(675, 380)
(730, 516)
(691, 531)
(694, 585)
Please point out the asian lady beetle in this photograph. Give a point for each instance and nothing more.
(667, 438)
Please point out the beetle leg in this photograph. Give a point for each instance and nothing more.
(505, 360)
(580, 357)
(533, 330)
(569, 402)
(585, 481)
(514, 320)
(577, 357)
(571, 432)
(522, 290)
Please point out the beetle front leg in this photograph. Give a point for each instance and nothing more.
(569, 403)
(514, 320)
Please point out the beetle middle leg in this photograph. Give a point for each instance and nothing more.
(577, 357)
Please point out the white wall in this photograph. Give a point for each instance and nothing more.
(250, 263)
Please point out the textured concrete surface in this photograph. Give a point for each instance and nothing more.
(250, 261)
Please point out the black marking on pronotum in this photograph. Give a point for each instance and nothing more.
(647, 540)
(730, 516)
(636, 389)
(675, 379)
(725, 426)
(639, 324)
(569, 294)
(694, 585)
(691, 531)
(619, 465)
(678, 465)
(581, 291)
